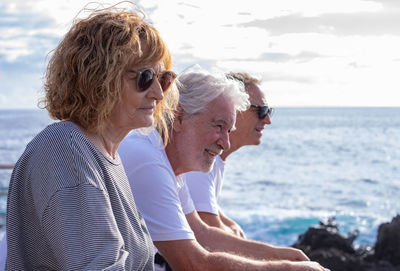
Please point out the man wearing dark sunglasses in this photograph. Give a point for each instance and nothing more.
(205, 187)
(205, 116)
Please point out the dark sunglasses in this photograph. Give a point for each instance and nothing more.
(146, 76)
(263, 110)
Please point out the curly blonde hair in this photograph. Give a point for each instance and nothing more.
(83, 81)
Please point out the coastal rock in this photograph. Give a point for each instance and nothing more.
(387, 246)
(335, 251)
(327, 236)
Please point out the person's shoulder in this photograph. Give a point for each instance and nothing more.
(141, 145)
(55, 135)
(219, 163)
(59, 128)
(137, 135)
(140, 140)
(193, 177)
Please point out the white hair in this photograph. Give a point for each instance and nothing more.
(197, 88)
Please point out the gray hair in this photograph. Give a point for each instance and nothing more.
(245, 77)
(198, 87)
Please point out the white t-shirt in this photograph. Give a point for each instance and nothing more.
(161, 197)
(205, 187)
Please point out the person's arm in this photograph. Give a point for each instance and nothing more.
(215, 239)
(82, 231)
(204, 189)
(185, 255)
(214, 220)
(231, 224)
(75, 213)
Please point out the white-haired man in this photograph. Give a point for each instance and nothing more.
(205, 187)
(200, 131)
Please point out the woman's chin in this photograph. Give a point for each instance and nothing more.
(145, 123)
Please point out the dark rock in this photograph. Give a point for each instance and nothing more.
(335, 251)
(326, 236)
(387, 246)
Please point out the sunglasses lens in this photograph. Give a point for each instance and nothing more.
(262, 112)
(271, 112)
(166, 79)
(145, 79)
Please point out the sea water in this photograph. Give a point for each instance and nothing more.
(312, 164)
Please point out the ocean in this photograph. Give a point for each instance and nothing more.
(312, 164)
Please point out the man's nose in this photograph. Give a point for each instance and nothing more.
(224, 142)
(266, 120)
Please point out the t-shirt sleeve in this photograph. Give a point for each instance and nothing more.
(201, 186)
(185, 198)
(156, 195)
(74, 208)
(81, 230)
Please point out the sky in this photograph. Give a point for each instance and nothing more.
(307, 53)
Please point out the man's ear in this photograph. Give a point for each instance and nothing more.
(177, 126)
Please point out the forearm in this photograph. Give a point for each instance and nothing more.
(222, 226)
(215, 239)
(214, 221)
(185, 255)
(225, 219)
(231, 224)
(224, 261)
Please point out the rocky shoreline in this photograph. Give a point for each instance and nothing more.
(335, 251)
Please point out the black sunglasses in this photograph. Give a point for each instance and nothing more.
(146, 76)
(263, 110)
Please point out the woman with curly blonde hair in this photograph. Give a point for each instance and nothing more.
(70, 206)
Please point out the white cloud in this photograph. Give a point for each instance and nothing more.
(310, 53)
(11, 50)
(317, 7)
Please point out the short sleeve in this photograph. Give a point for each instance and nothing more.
(79, 226)
(156, 195)
(201, 186)
(184, 197)
(154, 186)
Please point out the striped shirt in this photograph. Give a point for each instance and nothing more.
(71, 208)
